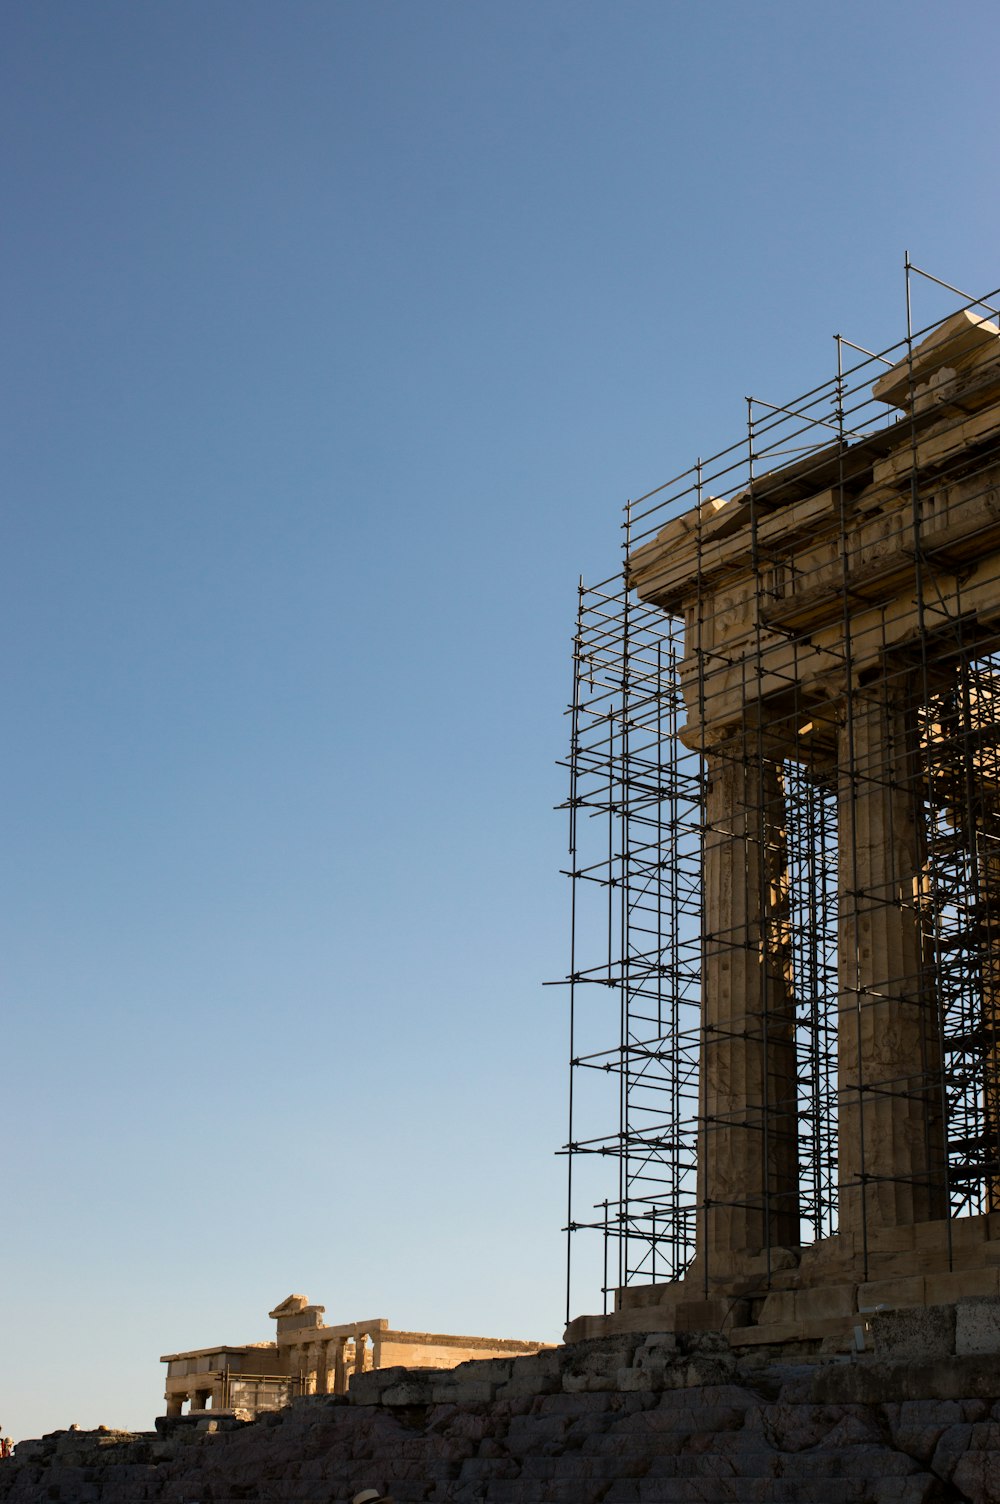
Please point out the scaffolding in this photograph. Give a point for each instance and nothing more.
(642, 826)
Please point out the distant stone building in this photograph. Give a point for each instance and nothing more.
(308, 1357)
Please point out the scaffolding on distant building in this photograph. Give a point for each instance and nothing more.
(738, 721)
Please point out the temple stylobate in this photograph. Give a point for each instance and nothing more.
(787, 721)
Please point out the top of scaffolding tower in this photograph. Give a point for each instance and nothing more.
(784, 447)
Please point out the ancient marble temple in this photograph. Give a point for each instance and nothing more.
(838, 688)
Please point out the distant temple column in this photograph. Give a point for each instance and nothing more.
(748, 1151)
(323, 1368)
(340, 1366)
(891, 1140)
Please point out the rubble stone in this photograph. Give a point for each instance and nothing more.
(632, 1422)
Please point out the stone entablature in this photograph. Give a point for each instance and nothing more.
(778, 563)
(309, 1357)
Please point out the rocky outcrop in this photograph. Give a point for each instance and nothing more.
(620, 1421)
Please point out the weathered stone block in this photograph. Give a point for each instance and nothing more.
(879, 1381)
(27, 1450)
(640, 1380)
(893, 1239)
(495, 1370)
(367, 1388)
(641, 1297)
(621, 1323)
(892, 1293)
(927, 1332)
(596, 1382)
(548, 1363)
(886, 1266)
(977, 1325)
(593, 1366)
(711, 1315)
(760, 1335)
(930, 1236)
(690, 1343)
(961, 1284)
(778, 1308)
(969, 1230)
(658, 1348)
(709, 1370)
(825, 1302)
(412, 1392)
(528, 1386)
(976, 1474)
(539, 1374)
(460, 1392)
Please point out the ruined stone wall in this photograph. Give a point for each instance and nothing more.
(626, 1420)
(428, 1350)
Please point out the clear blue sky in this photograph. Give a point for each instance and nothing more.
(335, 335)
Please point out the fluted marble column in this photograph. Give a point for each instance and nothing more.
(322, 1367)
(891, 1140)
(748, 1142)
(340, 1366)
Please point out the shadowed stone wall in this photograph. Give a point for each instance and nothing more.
(625, 1420)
